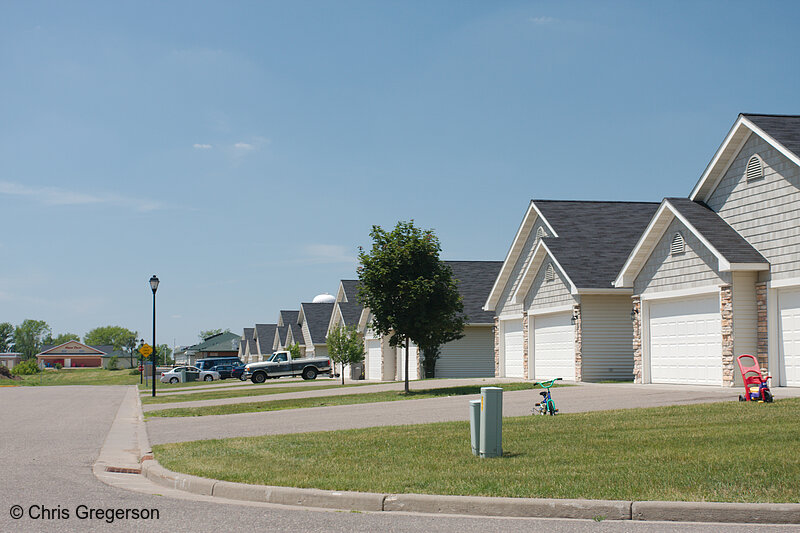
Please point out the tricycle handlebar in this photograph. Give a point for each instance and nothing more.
(547, 384)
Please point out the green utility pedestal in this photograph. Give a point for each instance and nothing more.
(491, 422)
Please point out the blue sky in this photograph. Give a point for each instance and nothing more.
(241, 151)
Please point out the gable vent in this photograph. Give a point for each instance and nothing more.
(755, 168)
(550, 273)
(678, 245)
(539, 233)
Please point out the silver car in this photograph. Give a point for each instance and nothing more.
(174, 375)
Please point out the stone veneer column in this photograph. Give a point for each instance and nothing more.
(525, 345)
(761, 326)
(726, 315)
(638, 376)
(497, 347)
(576, 312)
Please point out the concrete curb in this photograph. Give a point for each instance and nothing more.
(747, 513)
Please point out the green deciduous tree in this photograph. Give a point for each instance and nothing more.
(61, 339)
(29, 337)
(411, 293)
(115, 336)
(294, 349)
(163, 355)
(345, 346)
(206, 333)
(6, 336)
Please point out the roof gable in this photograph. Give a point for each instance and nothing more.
(74, 348)
(732, 251)
(513, 255)
(316, 317)
(780, 131)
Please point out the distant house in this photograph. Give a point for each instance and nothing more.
(264, 338)
(288, 324)
(74, 354)
(313, 319)
(10, 359)
(221, 345)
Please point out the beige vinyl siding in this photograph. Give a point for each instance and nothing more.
(765, 211)
(544, 294)
(306, 340)
(745, 318)
(507, 305)
(471, 356)
(696, 267)
(607, 337)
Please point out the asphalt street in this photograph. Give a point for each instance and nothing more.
(51, 437)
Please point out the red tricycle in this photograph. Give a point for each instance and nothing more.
(755, 379)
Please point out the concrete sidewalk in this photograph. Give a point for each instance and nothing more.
(578, 398)
(127, 437)
(363, 388)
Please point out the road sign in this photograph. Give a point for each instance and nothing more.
(141, 368)
(146, 350)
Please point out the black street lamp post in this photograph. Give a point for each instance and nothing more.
(154, 286)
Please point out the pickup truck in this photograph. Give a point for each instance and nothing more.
(281, 364)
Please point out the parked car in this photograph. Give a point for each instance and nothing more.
(281, 364)
(238, 372)
(174, 375)
(209, 362)
(223, 370)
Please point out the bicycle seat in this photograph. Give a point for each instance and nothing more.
(543, 393)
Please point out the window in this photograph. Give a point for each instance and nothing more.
(550, 273)
(678, 245)
(755, 168)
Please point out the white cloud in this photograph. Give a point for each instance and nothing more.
(198, 146)
(244, 146)
(176, 316)
(58, 196)
(542, 20)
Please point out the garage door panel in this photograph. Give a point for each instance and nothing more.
(686, 341)
(553, 346)
(789, 335)
(512, 337)
(374, 359)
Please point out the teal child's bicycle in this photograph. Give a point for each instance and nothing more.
(547, 406)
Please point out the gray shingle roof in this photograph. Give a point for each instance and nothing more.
(247, 338)
(317, 317)
(594, 238)
(723, 237)
(475, 281)
(282, 331)
(265, 333)
(783, 128)
(350, 290)
(289, 318)
(351, 312)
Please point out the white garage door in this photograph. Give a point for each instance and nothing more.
(374, 359)
(512, 336)
(686, 341)
(789, 311)
(553, 346)
(413, 362)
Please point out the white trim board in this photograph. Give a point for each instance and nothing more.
(681, 293)
(549, 310)
(780, 283)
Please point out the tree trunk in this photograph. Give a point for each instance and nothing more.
(407, 365)
(342, 372)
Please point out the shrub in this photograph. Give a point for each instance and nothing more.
(58, 366)
(134, 372)
(5, 372)
(113, 362)
(26, 368)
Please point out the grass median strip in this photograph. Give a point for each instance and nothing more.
(79, 376)
(731, 451)
(217, 394)
(326, 401)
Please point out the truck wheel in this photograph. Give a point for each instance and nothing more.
(310, 373)
(259, 377)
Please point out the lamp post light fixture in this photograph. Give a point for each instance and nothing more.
(634, 314)
(154, 286)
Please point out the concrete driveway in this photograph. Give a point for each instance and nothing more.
(578, 398)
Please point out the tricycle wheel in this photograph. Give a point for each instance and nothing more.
(767, 396)
(551, 408)
(741, 398)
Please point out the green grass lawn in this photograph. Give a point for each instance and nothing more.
(78, 376)
(737, 452)
(324, 401)
(233, 392)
